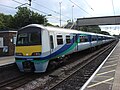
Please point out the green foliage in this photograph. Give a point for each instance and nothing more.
(49, 24)
(23, 17)
(5, 21)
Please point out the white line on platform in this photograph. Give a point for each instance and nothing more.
(112, 61)
(109, 66)
(93, 75)
(105, 72)
(100, 82)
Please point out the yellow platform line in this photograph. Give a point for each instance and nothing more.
(109, 66)
(100, 82)
(105, 72)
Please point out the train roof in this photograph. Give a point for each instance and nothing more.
(56, 29)
(64, 30)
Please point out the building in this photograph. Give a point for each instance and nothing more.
(7, 42)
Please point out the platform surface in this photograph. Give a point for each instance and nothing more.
(108, 77)
(6, 60)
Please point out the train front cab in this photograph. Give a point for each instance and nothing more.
(29, 49)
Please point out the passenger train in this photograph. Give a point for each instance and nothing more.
(36, 45)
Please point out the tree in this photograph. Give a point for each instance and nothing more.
(25, 16)
(5, 21)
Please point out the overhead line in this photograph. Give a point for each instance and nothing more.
(44, 13)
(46, 7)
(88, 5)
(17, 2)
(79, 7)
(30, 7)
(38, 10)
(34, 9)
(50, 9)
(7, 6)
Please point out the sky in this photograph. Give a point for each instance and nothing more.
(70, 9)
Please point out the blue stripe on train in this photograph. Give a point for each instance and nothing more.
(62, 49)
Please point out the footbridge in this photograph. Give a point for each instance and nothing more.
(106, 20)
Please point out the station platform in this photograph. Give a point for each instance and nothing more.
(7, 60)
(107, 76)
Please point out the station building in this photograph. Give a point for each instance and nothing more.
(7, 42)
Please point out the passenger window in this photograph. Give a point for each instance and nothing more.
(83, 39)
(99, 38)
(51, 42)
(93, 38)
(68, 39)
(86, 39)
(59, 40)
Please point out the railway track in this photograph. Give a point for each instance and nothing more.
(49, 80)
(19, 80)
(75, 78)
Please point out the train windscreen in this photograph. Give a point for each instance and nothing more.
(26, 38)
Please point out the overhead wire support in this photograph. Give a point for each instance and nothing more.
(79, 7)
(30, 7)
(29, 2)
(60, 12)
(113, 10)
(21, 5)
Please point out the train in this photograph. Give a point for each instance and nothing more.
(37, 45)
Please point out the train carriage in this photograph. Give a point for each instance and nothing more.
(36, 45)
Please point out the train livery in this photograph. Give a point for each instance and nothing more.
(36, 45)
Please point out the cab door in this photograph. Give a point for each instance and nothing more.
(51, 43)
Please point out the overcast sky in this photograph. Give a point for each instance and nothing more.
(81, 8)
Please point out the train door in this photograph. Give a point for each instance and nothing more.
(52, 39)
(51, 43)
(76, 42)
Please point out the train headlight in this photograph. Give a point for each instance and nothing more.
(36, 54)
(18, 54)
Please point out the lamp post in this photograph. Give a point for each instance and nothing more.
(46, 16)
(72, 13)
(60, 13)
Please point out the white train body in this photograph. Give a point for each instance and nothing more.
(54, 43)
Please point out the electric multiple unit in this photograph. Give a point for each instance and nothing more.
(36, 45)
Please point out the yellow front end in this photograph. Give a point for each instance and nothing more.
(28, 59)
(28, 50)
